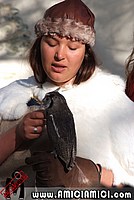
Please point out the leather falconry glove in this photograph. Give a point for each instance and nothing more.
(51, 172)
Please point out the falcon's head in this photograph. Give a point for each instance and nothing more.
(52, 98)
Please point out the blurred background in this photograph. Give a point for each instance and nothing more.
(114, 34)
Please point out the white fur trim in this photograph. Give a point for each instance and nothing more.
(66, 27)
(13, 98)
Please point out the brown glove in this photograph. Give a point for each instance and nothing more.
(50, 172)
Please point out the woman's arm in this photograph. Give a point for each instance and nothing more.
(9, 141)
(12, 138)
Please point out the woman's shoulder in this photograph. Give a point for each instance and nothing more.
(13, 98)
(106, 78)
(103, 81)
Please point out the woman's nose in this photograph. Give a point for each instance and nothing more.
(59, 54)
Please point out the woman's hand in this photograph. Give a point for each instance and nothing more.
(107, 177)
(31, 126)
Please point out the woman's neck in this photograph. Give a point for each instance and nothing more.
(63, 84)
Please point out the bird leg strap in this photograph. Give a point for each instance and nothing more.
(50, 172)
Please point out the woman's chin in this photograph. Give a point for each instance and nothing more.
(58, 79)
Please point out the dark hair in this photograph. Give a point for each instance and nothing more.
(84, 73)
(130, 76)
(130, 64)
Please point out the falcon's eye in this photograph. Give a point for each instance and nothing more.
(47, 101)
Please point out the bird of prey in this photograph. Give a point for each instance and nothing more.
(60, 127)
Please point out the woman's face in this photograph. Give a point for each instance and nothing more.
(61, 58)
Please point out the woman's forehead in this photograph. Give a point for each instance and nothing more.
(59, 38)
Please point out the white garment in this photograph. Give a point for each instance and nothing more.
(103, 114)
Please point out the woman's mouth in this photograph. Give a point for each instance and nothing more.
(58, 68)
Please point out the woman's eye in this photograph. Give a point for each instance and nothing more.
(51, 44)
(72, 48)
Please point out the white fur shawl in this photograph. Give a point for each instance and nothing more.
(103, 114)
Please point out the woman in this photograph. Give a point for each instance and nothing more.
(62, 58)
(130, 76)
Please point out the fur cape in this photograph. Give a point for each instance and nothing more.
(103, 114)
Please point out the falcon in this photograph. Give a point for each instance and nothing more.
(60, 127)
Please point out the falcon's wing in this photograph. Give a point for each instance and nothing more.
(61, 130)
